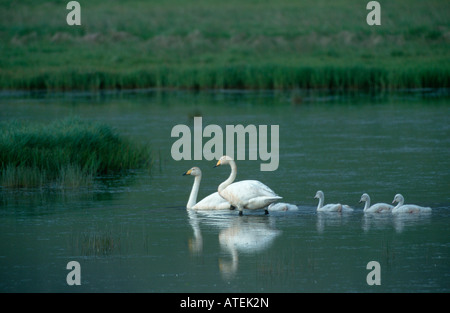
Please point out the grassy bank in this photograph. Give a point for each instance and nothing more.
(67, 153)
(224, 44)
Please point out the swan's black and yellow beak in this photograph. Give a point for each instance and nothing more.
(187, 173)
(218, 164)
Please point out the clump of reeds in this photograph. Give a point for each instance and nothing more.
(99, 243)
(66, 153)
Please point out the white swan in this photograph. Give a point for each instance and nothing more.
(376, 208)
(245, 194)
(407, 208)
(212, 202)
(282, 206)
(332, 207)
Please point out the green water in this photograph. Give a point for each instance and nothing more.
(133, 234)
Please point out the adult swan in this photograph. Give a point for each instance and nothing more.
(212, 202)
(245, 194)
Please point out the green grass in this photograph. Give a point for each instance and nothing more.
(68, 153)
(224, 44)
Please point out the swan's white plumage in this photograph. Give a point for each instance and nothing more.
(251, 194)
(282, 206)
(407, 208)
(246, 194)
(212, 202)
(376, 208)
(331, 207)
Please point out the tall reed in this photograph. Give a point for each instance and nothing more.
(262, 76)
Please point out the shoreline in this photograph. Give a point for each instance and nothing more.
(225, 45)
(357, 78)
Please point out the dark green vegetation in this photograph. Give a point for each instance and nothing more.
(224, 44)
(67, 153)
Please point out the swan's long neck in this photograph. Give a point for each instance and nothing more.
(367, 205)
(194, 192)
(231, 178)
(400, 203)
(321, 200)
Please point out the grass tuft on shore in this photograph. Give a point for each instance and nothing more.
(68, 153)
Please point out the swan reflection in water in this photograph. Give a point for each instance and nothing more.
(398, 222)
(376, 221)
(248, 235)
(237, 235)
(220, 219)
(407, 220)
(196, 243)
(331, 219)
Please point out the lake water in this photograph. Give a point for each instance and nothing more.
(133, 234)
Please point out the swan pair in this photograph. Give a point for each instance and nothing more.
(331, 207)
(400, 208)
(246, 194)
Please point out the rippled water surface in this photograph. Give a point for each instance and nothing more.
(133, 234)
